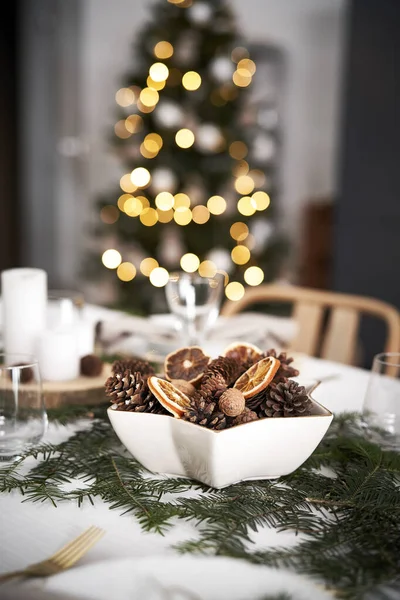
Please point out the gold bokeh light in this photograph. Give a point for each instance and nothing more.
(207, 268)
(240, 168)
(149, 97)
(111, 258)
(121, 130)
(159, 277)
(254, 276)
(239, 231)
(155, 85)
(140, 177)
(164, 201)
(122, 199)
(183, 216)
(238, 150)
(126, 184)
(134, 123)
(133, 207)
(245, 206)
(191, 81)
(126, 271)
(260, 200)
(147, 265)
(184, 138)
(234, 291)
(248, 65)
(181, 201)
(244, 184)
(163, 50)
(241, 78)
(201, 214)
(158, 72)
(240, 255)
(148, 153)
(165, 216)
(148, 217)
(189, 262)
(216, 205)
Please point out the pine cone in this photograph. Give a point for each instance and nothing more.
(205, 413)
(228, 368)
(245, 417)
(130, 391)
(134, 365)
(212, 387)
(285, 371)
(285, 399)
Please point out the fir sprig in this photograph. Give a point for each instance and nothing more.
(344, 501)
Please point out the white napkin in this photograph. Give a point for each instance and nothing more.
(171, 578)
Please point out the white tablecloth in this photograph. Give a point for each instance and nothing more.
(128, 563)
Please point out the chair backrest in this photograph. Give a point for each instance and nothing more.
(339, 342)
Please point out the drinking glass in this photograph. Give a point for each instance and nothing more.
(195, 301)
(23, 418)
(381, 409)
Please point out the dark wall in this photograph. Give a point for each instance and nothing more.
(367, 228)
(9, 216)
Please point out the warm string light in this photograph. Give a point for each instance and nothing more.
(190, 262)
(240, 254)
(191, 81)
(163, 50)
(111, 258)
(234, 291)
(126, 271)
(159, 277)
(184, 138)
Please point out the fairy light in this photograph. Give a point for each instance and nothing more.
(260, 200)
(238, 150)
(201, 214)
(126, 184)
(134, 123)
(133, 207)
(181, 201)
(126, 271)
(147, 265)
(121, 201)
(159, 277)
(109, 214)
(253, 276)
(183, 216)
(121, 130)
(165, 216)
(191, 81)
(149, 97)
(216, 205)
(190, 262)
(240, 255)
(145, 202)
(207, 268)
(163, 50)
(239, 231)
(125, 97)
(241, 78)
(146, 109)
(234, 291)
(245, 206)
(111, 258)
(244, 184)
(148, 217)
(247, 65)
(164, 201)
(140, 177)
(153, 138)
(241, 168)
(158, 72)
(148, 153)
(155, 85)
(184, 138)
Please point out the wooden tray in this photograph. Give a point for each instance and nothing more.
(83, 390)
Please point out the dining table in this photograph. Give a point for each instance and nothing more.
(129, 562)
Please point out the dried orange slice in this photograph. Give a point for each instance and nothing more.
(175, 401)
(257, 377)
(186, 363)
(243, 353)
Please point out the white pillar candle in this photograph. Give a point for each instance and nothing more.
(85, 338)
(58, 355)
(24, 301)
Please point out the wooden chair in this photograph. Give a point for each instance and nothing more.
(338, 340)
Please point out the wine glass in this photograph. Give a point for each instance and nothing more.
(195, 301)
(381, 408)
(23, 418)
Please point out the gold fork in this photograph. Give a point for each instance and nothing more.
(61, 560)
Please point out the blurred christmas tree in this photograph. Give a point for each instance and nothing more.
(195, 194)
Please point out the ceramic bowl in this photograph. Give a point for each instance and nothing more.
(263, 449)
